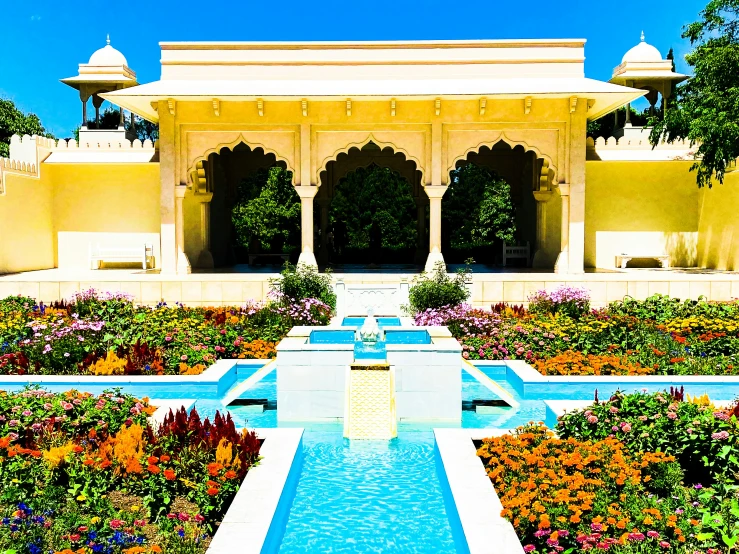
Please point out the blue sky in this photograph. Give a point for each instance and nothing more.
(44, 41)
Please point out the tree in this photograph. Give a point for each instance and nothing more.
(14, 122)
(267, 211)
(705, 109)
(478, 208)
(376, 194)
(605, 126)
(110, 118)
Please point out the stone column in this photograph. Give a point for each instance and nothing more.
(435, 194)
(323, 253)
(540, 257)
(97, 101)
(562, 263)
(205, 258)
(306, 193)
(183, 264)
(167, 175)
(421, 230)
(578, 146)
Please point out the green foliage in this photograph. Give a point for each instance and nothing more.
(704, 109)
(376, 194)
(438, 289)
(14, 122)
(267, 211)
(301, 282)
(110, 118)
(661, 308)
(478, 208)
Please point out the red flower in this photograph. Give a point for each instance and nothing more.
(214, 469)
(230, 474)
(169, 474)
(74, 537)
(164, 458)
(212, 491)
(153, 460)
(77, 449)
(153, 469)
(106, 464)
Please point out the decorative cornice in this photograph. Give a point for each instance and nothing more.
(348, 107)
(573, 104)
(260, 107)
(392, 107)
(483, 105)
(217, 107)
(304, 107)
(171, 104)
(527, 105)
(437, 106)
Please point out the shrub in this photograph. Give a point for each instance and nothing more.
(661, 308)
(566, 300)
(438, 290)
(301, 282)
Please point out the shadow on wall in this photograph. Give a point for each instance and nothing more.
(718, 246)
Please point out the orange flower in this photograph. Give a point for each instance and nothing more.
(4, 442)
(92, 434)
(77, 449)
(12, 453)
(212, 491)
(214, 469)
(164, 458)
(106, 464)
(153, 469)
(152, 460)
(230, 474)
(156, 549)
(169, 474)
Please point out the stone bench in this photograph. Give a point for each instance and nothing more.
(623, 259)
(512, 251)
(142, 253)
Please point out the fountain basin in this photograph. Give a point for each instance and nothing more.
(313, 363)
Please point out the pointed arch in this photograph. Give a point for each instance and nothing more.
(196, 164)
(361, 144)
(502, 137)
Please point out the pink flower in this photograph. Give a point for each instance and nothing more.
(592, 419)
(652, 534)
(67, 405)
(664, 544)
(626, 427)
(672, 415)
(720, 436)
(183, 358)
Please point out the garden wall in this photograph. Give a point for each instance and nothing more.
(26, 216)
(718, 233)
(110, 204)
(641, 207)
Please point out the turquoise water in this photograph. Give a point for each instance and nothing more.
(373, 496)
(381, 321)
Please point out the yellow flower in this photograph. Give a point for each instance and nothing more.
(95, 520)
(82, 498)
(134, 508)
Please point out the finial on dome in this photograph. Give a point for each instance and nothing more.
(107, 39)
(642, 37)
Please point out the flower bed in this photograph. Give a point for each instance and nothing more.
(106, 334)
(83, 474)
(559, 335)
(638, 473)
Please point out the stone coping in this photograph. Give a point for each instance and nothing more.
(256, 519)
(214, 381)
(471, 500)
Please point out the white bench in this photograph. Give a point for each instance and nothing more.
(623, 259)
(141, 254)
(511, 251)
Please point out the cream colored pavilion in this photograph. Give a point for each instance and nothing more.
(433, 102)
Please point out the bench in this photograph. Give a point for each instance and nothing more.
(282, 257)
(121, 254)
(511, 251)
(623, 259)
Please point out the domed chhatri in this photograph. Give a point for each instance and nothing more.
(642, 52)
(106, 71)
(107, 56)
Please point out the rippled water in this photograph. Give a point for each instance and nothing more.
(368, 496)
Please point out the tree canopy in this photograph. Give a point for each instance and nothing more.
(14, 122)
(705, 109)
(376, 194)
(478, 207)
(267, 211)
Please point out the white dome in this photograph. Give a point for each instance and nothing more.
(642, 52)
(107, 56)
